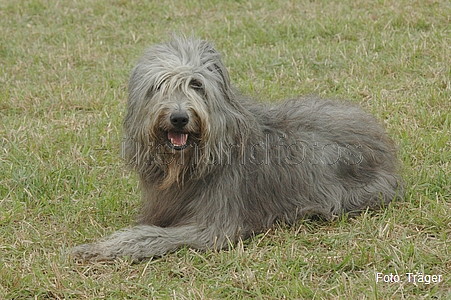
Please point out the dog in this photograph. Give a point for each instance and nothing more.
(216, 167)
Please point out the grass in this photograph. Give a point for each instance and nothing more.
(64, 71)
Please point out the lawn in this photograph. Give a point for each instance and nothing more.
(64, 68)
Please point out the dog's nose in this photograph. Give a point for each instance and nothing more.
(179, 120)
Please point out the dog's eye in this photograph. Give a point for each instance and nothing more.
(196, 85)
(157, 88)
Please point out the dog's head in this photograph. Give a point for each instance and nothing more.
(181, 101)
(174, 92)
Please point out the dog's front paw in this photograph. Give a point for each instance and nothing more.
(92, 253)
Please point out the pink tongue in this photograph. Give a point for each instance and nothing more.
(177, 139)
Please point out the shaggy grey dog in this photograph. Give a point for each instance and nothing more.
(216, 167)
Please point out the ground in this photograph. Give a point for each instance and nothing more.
(64, 72)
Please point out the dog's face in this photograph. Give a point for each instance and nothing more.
(179, 116)
(175, 90)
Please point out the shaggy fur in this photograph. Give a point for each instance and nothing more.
(216, 167)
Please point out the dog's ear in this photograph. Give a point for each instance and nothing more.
(216, 65)
(222, 71)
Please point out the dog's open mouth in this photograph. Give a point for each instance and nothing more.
(177, 140)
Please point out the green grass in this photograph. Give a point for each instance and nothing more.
(64, 67)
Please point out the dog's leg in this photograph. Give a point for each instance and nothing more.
(145, 241)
